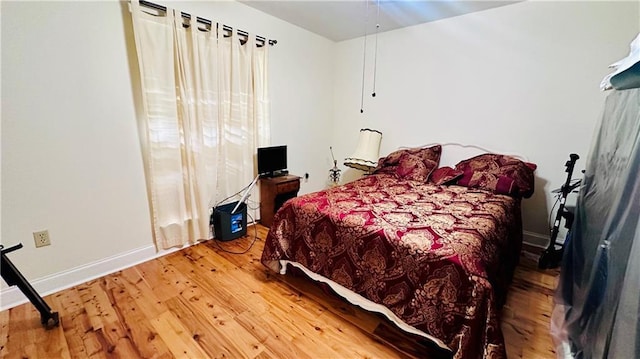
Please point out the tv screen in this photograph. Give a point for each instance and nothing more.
(272, 160)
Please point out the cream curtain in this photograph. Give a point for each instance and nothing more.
(206, 109)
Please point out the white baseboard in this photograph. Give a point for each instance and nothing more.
(535, 239)
(12, 296)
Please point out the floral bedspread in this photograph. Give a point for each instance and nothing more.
(439, 257)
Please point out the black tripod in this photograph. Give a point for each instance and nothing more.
(12, 276)
(552, 256)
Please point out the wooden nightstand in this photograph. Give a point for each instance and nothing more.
(274, 191)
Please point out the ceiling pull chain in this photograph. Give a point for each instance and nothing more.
(375, 55)
(364, 56)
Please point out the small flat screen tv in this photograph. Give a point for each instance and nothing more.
(272, 161)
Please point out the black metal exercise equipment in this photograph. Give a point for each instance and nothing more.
(552, 256)
(12, 276)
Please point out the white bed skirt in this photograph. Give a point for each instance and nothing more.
(362, 302)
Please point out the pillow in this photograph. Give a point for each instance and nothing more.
(430, 157)
(412, 167)
(444, 175)
(390, 163)
(498, 173)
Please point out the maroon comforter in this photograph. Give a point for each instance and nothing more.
(439, 257)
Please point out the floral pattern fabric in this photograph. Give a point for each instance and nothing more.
(439, 257)
(411, 163)
(444, 175)
(498, 173)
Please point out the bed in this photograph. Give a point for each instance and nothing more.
(431, 248)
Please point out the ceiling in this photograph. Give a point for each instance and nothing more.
(344, 20)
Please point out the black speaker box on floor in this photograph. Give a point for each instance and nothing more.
(228, 226)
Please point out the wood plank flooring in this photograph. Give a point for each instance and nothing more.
(202, 302)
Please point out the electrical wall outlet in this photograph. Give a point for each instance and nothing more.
(42, 238)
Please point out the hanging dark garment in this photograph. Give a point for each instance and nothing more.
(598, 296)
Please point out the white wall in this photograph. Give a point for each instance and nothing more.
(71, 160)
(521, 78)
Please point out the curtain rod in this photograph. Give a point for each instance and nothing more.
(205, 21)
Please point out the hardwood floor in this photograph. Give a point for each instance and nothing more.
(202, 302)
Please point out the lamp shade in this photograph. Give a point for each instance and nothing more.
(365, 157)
